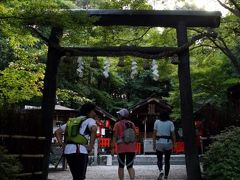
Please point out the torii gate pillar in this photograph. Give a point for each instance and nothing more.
(191, 154)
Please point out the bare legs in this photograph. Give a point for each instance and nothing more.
(129, 157)
(121, 173)
(131, 173)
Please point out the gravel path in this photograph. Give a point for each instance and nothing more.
(147, 172)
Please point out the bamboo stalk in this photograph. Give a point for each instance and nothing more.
(22, 137)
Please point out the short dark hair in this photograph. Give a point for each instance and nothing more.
(86, 109)
(164, 116)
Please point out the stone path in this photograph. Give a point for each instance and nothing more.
(143, 172)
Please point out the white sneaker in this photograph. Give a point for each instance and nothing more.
(165, 178)
(160, 175)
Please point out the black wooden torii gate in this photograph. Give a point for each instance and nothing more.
(180, 20)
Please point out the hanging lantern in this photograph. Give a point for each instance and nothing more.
(134, 69)
(106, 66)
(146, 65)
(94, 63)
(80, 67)
(154, 69)
(121, 62)
(174, 59)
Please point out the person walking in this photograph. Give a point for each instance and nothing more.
(77, 132)
(124, 138)
(164, 140)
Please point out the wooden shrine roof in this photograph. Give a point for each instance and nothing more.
(149, 100)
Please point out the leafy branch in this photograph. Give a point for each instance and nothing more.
(135, 39)
(220, 43)
(39, 34)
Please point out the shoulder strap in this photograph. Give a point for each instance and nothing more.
(82, 120)
(122, 127)
(86, 131)
(128, 124)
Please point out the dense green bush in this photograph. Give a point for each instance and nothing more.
(222, 160)
(9, 166)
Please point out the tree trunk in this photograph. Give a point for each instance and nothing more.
(191, 155)
(49, 94)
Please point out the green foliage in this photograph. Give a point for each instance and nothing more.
(70, 98)
(27, 23)
(126, 4)
(6, 52)
(118, 90)
(92, 85)
(20, 81)
(207, 76)
(211, 76)
(221, 161)
(111, 35)
(9, 166)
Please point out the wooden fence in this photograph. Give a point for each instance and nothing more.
(21, 134)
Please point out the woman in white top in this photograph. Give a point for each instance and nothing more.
(77, 154)
(163, 141)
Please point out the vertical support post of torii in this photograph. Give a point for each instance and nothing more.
(49, 94)
(191, 154)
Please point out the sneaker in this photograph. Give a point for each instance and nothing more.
(165, 178)
(160, 175)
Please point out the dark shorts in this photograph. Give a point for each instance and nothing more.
(78, 165)
(164, 147)
(129, 156)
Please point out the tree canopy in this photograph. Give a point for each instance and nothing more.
(214, 61)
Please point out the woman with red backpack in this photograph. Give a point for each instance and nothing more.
(124, 138)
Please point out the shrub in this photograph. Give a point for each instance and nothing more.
(9, 166)
(222, 160)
